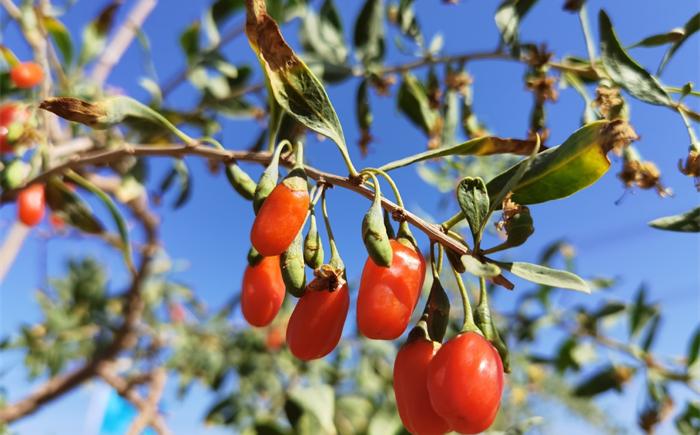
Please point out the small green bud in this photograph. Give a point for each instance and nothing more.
(15, 173)
(313, 247)
(374, 233)
(293, 269)
(254, 256)
(483, 319)
(240, 181)
(437, 311)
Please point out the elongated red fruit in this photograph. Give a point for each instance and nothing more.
(280, 217)
(411, 390)
(263, 291)
(31, 205)
(465, 383)
(26, 75)
(317, 321)
(388, 295)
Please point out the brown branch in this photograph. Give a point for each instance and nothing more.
(12, 9)
(125, 389)
(433, 231)
(121, 41)
(124, 337)
(149, 410)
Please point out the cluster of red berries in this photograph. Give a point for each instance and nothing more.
(438, 389)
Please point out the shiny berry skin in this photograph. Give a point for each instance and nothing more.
(31, 205)
(388, 295)
(26, 75)
(465, 383)
(279, 219)
(411, 391)
(10, 114)
(263, 291)
(316, 324)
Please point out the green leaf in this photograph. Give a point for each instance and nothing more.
(691, 27)
(322, 34)
(477, 268)
(546, 276)
(624, 71)
(295, 88)
(650, 336)
(473, 199)
(407, 21)
(113, 211)
(369, 32)
(318, 400)
(95, 33)
(413, 102)
(482, 146)
(605, 379)
(640, 313)
(694, 348)
(558, 172)
(384, 422)
(189, 41)
(688, 222)
(221, 10)
(688, 423)
(61, 37)
(69, 207)
(673, 35)
(508, 17)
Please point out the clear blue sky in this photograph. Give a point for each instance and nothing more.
(211, 231)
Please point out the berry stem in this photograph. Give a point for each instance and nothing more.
(469, 325)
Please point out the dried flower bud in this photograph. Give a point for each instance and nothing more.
(617, 136)
(609, 102)
(327, 278)
(544, 88)
(643, 174)
(691, 168)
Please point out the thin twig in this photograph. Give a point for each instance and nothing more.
(433, 231)
(121, 41)
(125, 389)
(12, 9)
(149, 410)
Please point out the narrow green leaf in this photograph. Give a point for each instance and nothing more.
(650, 336)
(691, 27)
(477, 268)
(607, 378)
(119, 220)
(481, 146)
(294, 86)
(369, 32)
(223, 9)
(322, 35)
(189, 41)
(61, 37)
(624, 70)
(688, 222)
(660, 39)
(694, 348)
(517, 173)
(69, 207)
(640, 313)
(318, 400)
(473, 199)
(407, 21)
(413, 102)
(95, 33)
(558, 172)
(508, 17)
(185, 182)
(546, 276)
